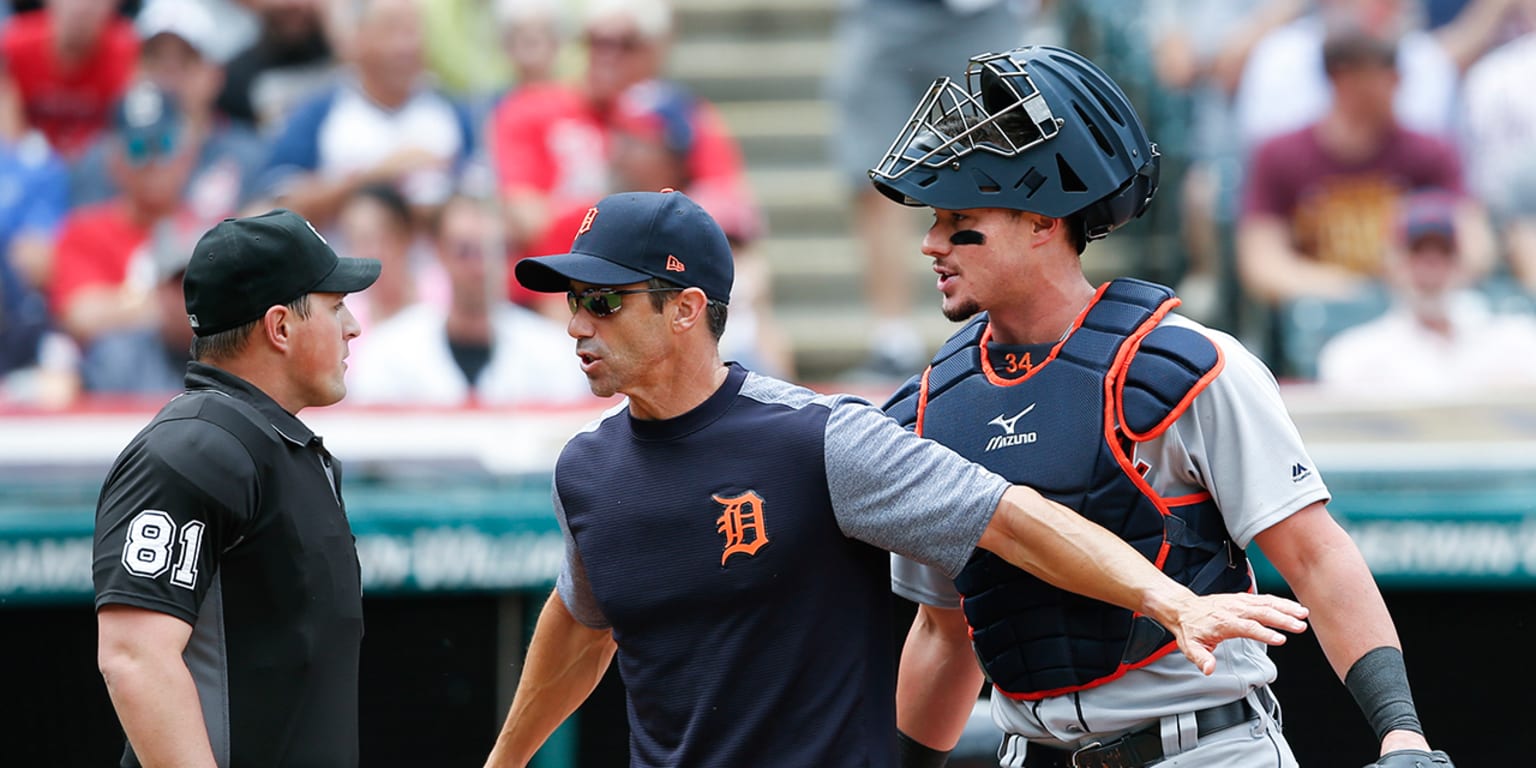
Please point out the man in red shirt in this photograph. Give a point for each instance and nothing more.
(1319, 201)
(110, 256)
(71, 61)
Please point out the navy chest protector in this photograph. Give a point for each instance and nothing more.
(1069, 428)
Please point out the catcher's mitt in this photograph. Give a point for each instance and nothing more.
(1413, 758)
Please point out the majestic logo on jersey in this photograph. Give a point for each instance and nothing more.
(586, 221)
(742, 523)
(1009, 436)
(1300, 472)
(674, 264)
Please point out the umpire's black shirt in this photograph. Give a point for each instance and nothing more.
(226, 512)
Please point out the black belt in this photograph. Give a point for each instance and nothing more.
(1140, 747)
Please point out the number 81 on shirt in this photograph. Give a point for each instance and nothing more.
(152, 539)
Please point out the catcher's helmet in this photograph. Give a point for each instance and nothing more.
(1037, 129)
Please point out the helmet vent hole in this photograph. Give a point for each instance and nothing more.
(984, 183)
(1070, 181)
(1033, 180)
(1098, 135)
(1104, 102)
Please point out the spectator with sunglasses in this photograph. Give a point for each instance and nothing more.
(179, 52)
(481, 348)
(104, 271)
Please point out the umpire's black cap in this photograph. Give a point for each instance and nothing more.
(242, 267)
(635, 236)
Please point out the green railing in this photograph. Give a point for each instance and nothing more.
(1417, 528)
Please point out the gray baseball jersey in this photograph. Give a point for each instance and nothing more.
(1235, 441)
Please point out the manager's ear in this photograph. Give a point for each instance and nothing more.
(688, 309)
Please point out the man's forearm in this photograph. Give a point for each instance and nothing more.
(1068, 551)
(566, 660)
(1329, 575)
(939, 679)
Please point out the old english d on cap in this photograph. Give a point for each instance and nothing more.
(242, 267)
(632, 237)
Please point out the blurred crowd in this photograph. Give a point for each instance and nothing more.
(1356, 185)
(445, 138)
(1327, 164)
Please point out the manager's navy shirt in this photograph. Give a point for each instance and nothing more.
(225, 512)
(738, 553)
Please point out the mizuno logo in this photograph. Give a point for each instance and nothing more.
(1009, 425)
(1299, 472)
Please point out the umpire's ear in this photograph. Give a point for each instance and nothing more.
(276, 326)
(687, 310)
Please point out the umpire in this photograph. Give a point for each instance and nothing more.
(228, 594)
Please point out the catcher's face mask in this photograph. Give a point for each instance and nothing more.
(952, 121)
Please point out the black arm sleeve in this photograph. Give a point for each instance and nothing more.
(1379, 683)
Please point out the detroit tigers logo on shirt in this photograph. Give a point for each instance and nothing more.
(586, 221)
(742, 523)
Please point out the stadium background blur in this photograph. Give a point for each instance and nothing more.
(450, 501)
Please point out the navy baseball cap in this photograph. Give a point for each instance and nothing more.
(242, 267)
(1428, 214)
(147, 121)
(632, 237)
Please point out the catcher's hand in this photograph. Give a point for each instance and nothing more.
(1413, 758)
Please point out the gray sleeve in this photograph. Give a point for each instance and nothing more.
(922, 583)
(572, 584)
(899, 492)
(1245, 448)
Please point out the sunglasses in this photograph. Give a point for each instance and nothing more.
(602, 302)
(615, 43)
(142, 148)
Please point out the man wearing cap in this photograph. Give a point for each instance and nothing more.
(178, 53)
(1440, 339)
(104, 266)
(726, 533)
(228, 594)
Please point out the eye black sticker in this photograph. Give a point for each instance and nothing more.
(967, 237)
